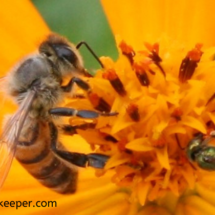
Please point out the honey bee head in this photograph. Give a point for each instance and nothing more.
(63, 55)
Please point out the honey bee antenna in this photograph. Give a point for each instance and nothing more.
(90, 50)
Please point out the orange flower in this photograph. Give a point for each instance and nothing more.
(162, 88)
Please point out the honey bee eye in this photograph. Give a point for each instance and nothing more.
(48, 54)
(66, 53)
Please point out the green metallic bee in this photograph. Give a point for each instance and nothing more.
(200, 151)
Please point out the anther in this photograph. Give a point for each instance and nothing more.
(141, 75)
(121, 144)
(127, 51)
(114, 81)
(178, 142)
(160, 143)
(133, 112)
(99, 103)
(177, 113)
(189, 63)
(210, 99)
(154, 55)
(108, 137)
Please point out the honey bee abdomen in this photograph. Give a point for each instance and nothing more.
(63, 180)
(39, 160)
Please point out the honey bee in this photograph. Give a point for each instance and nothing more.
(36, 84)
(200, 151)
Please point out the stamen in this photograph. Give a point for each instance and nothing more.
(122, 146)
(182, 160)
(141, 75)
(210, 125)
(111, 139)
(133, 112)
(105, 147)
(99, 103)
(189, 63)
(160, 143)
(177, 113)
(210, 99)
(114, 81)
(108, 137)
(152, 72)
(127, 51)
(154, 49)
(179, 143)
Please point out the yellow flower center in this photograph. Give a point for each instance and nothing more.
(163, 101)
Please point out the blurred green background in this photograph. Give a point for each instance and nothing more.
(80, 20)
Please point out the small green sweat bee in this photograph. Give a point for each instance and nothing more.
(201, 152)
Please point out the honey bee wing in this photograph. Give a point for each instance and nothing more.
(10, 135)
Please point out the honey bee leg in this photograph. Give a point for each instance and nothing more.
(71, 130)
(90, 114)
(82, 84)
(83, 160)
(90, 50)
